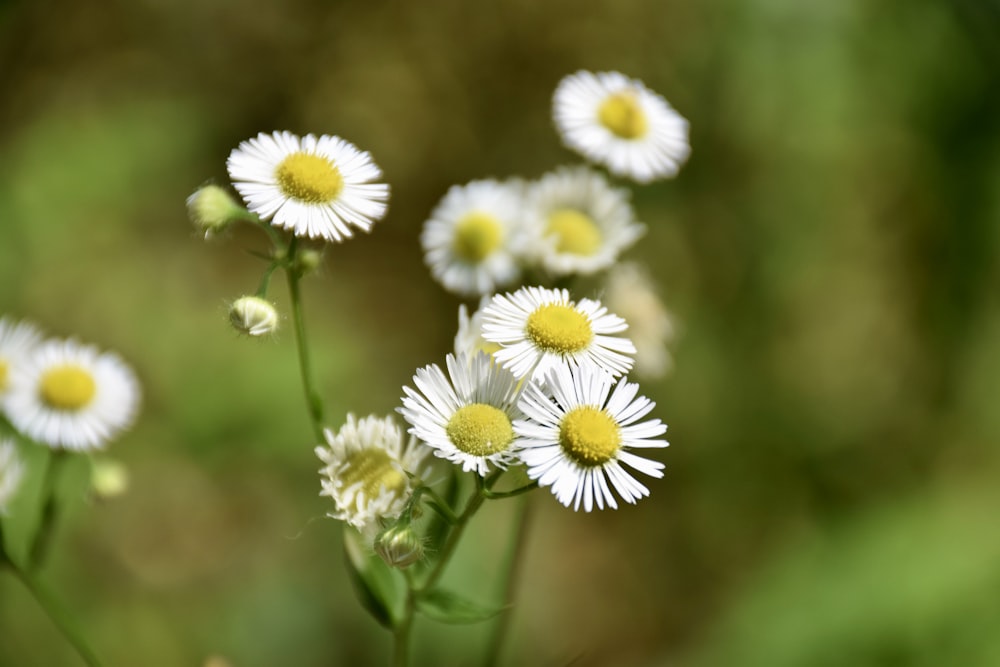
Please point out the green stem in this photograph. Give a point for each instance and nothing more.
(313, 402)
(475, 502)
(46, 526)
(265, 280)
(401, 633)
(515, 560)
(499, 495)
(59, 616)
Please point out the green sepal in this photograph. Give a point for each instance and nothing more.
(447, 607)
(373, 581)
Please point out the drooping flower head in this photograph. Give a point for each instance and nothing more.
(580, 224)
(471, 237)
(539, 328)
(467, 416)
(366, 472)
(319, 187)
(616, 121)
(72, 396)
(578, 432)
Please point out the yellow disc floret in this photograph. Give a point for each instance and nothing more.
(623, 116)
(589, 436)
(480, 429)
(374, 469)
(3, 374)
(67, 387)
(555, 327)
(477, 235)
(575, 232)
(309, 178)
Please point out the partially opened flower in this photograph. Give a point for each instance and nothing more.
(466, 417)
(578, 433)
(316, 187)
(367, 472)
(540, 328)
(579, 223)
(618, 122)
(72, 396)
(469, 339)
(471, 236)
(11, 472)
(17, 339)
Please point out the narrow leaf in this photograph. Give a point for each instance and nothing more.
(447, 607)
(373, 581)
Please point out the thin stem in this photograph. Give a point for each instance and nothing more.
(60, 617)
(46, 525)
(265, 280)
(401, 633)
(438, 504)
(515, 561)
(313, 402)
(498, 495)
(456, 534)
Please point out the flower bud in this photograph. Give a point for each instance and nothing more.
(108, 478)
(309, 260)
(211, 209)
(399, 546)
(253, 316)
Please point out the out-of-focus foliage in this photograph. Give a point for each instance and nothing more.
(830, 252)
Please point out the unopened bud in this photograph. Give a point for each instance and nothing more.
(253, 316)
(309, 259)
(211, 209)
(399, 546)
(108, 478)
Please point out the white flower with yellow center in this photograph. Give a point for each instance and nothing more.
(469, 340)
(17, 339)
(630, 292)
(466, 417)
(577, 435)
(618, 122)
(72, 396)
(580, 224)
(367, 472)
(316, 187)
(11, 472)
(470, 240)
(539, 328)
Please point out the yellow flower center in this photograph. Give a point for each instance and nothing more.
(589, 436)
(558, 328)
(3, 375)
(374, 469)
(67, 387)
(477, 234)
(623, 116)
(575, 232)
(309, 178)
(480, 430)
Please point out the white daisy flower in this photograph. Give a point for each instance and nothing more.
(315, 187)
(11, 472)
(466, 417)
(471, 237)
(540, 328)
(469, 339)
(366, 472)
(577, 435)
(17, 339)
(580, 224)
(618, 122)
(71, 396)
(630, 292)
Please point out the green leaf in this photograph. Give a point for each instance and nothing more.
(447, 607)
(373, 580)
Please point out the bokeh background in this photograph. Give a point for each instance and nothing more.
(829, 253)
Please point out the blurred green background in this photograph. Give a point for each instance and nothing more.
(829, 252)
